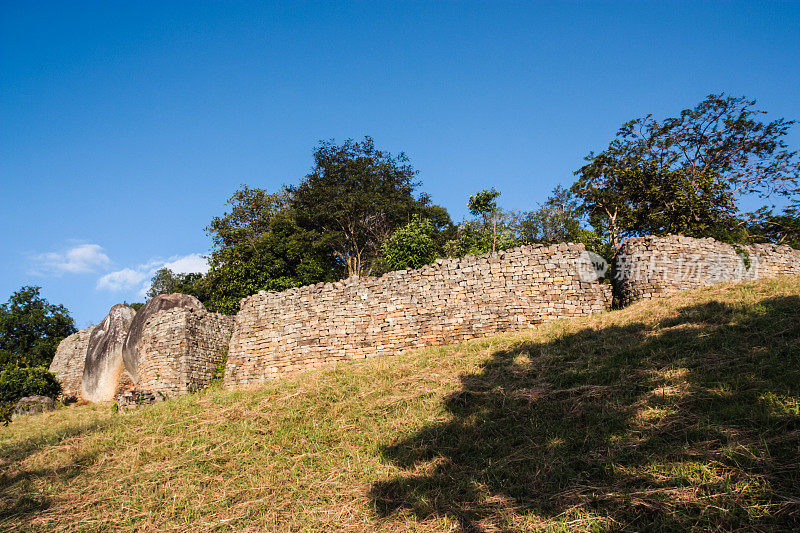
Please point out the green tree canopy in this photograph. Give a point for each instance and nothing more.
(165, 281)
(559, 219)
(780, 228)
(492, 229)
(484, 204)
(259, 245)
(355, 197)
(685, 174)
(332, 224)
(31, 328)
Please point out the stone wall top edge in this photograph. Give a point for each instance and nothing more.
(666, 238)
(651, 240)
(438, 265)
(183, 312)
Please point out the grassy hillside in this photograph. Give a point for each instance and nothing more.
(681, 413)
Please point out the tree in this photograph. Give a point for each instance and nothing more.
(165, 281)
(31, 329)
(252, 213)
(354, 198)
(783, 228)
(495, 229)
(631, 196)
(135, 305)
(333, 224)
(411, 246)
(467, 240)
(556, 220)
(484, 204)
(559, 219)
(686, 173)
(259, 245)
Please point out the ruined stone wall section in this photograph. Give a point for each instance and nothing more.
(209, 335)
(68, 362)
(647, 267)
(180, 349)
(162, 347)
(450, 301)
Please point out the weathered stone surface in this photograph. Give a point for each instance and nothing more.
(179, 349)
(650, 266)
(131, 349)
(125, 383)
(133, 399)
(103, 368)
(32, 405)
(68, 363)
(450, 301)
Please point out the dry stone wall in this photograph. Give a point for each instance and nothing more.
(162, 302)
(450, 301)
(68, 362)
(647, 267)
(175, 348)
(179, 349)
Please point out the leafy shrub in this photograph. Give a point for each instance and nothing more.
(411, 246)
(16, 383)
(136, 305)
(219, 371)
(31, 328)
(6, 410)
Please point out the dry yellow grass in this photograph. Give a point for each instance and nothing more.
(680, 413)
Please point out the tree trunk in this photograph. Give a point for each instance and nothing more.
(494, 234)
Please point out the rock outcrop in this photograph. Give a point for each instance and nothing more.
(68, 363)
(32, 405)
(103, 368)
(131, 353)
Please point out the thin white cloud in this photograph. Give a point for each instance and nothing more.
(121, 280)
(138, 278)
(80, 259)
(188, 264)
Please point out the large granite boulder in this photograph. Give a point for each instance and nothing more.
(32, 405)
(103, 368)
(131, 349)
(67, 364)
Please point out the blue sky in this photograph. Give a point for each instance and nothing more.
(125, 126)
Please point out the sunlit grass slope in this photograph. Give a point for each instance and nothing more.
(681, 413)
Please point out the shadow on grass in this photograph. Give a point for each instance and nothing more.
(19, 497)
(689, 424)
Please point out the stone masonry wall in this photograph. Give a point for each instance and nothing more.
(449, 301)
(180, 348)
(68, 362)
(650, 266)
